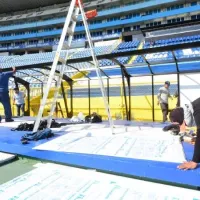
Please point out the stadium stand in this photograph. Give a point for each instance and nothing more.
(172, 41)
(139, 45)
(39, 29)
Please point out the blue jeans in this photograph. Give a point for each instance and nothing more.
(5, 100)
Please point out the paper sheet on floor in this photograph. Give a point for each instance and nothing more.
(4, 157)
(58, 182)
(139, 145)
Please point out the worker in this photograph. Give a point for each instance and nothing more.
(189, 116)
(18, 100)
(4, 94)
(163, 97)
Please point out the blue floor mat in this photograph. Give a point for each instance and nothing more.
(142, 169)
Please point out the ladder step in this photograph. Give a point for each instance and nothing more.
(48, 103)
(62, 60)
(75, 18)
(59, 75)
(65, 46)
(56, 89)
(70, 31)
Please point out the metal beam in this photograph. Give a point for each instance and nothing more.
(122, 67)
(28, 75)
(148, 64)
(153, 103)
(71, 96)
(39, 66)
(178, 77)
(100, 70)
(15, 81)
(89, 97)
(127, 76)
(143, 64)
(115, 55)
(64, 98)
(42, 89)
(108, 90)
(176, 61)
(42, 73)
(129, 94)
(79, 71)
(124, 91)
(179, 91)
(139, 52)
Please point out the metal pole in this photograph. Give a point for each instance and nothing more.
(153, 104)
(178, 76)
(179, 92)
(108, 90)
(89, 97)
(42, 89)
(64, 98)
(16, 84)
(71, 94)
(129, 94)
(124, 91)
(28, 94)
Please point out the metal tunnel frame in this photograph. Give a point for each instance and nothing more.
(143, 52)
(22, 70)
(124, 73)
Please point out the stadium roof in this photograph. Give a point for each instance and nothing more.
(7, 6)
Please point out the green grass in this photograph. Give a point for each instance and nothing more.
(16, 168)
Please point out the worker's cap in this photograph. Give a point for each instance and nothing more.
(167, 83)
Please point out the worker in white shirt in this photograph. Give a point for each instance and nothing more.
(18, 100)
(163, 97)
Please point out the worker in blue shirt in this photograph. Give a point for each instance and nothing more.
(4, 93)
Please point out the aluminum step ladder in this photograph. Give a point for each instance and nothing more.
(68, 31)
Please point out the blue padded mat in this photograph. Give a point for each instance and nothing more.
(151, 170)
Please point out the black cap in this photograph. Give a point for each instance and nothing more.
(167, 83)
(16, 88)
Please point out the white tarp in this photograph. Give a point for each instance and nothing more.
(56, 182)
(4, 157)
(152, 144)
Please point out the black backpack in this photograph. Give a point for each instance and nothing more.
(43, 125)
(24, 127)
(94, 118)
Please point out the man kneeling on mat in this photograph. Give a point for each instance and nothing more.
(189, 116)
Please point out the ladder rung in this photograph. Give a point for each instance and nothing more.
(56, 89)
(75, 18)
(48, 103)
(70, 31)
(59, 75)
(65, 46)
(62, 60)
